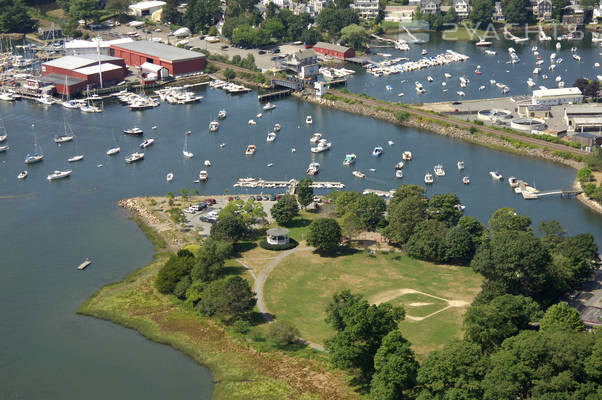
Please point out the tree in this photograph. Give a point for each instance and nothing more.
(360, 328)
(553, 232)
(458, 246)
(591, 90)
(311, 36)
(210, 260)
(395, 368)
(481, 12)
(324, 234)
(201, 14)
(244, 35)
(333, 19)
(228, 227)
(455, 372)
(285, 210)
(561, 316)
(506, 219)
(176, 268)
(558, 8)
(304, 192)
(581, 251)
(248, 212)
(170, 12)
(229, 74)
(14, 17)
(231, 23)
(351, 225)
(581, 83)
(490, 324)
(405, 191)
(84, 9)
(354, 36)
(443, 207)
(426, 242)
(346, 201)
(585, 175)
(404, 216)
(515, 260)
(274, 28)
(231, 299)
(516, 11)
(370, 209)
(282, 333)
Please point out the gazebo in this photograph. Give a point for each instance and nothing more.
(277, 236)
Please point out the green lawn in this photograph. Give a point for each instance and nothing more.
(300, 287)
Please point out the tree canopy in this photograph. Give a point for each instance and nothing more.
(324, 234)
(285, 210)
(14, 17)
(561, 316)
(304, 192)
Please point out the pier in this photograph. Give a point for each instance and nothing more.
(273, 95)
(563, 194)
(337, 82)
(379, 193)
(292, 183)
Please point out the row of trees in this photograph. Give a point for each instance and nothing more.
(14, 17)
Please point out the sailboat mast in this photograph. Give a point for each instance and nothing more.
(99, 63)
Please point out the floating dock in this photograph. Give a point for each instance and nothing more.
(83, 265)
(262, 183)
(563, 194)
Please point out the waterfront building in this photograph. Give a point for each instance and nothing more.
(94, 46)
(176, 60)
(583, 118)
(498, 13)
(543, 10)
(334, 50)
(277, 236)
(367, 9)
(552, 97)
(304, 64)
(528, 110)
(430, 6)
(414, 3)
(573, 15)
(597, 13)
(462, 8)
(587, 139)
(147, 9)
(399, 13)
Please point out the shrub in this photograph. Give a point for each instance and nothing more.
(241, 326)
(402, 115)
(585, 175)
(277, 247)
(282, 333)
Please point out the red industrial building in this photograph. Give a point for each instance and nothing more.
(334, 50)
(176, 60)
(71, 74)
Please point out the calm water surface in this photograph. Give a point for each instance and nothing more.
(49, 228)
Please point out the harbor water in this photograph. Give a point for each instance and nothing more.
(49, 228)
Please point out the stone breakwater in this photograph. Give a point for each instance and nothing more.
(135, 208)
(449, 131)
(591, 204)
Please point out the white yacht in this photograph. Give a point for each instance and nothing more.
(496, 175)
(358, 174)
(271, 137)
(70, 104)
(34, 158)
(213, 126)
(398, 174)
(5, 96)
(169, 177)
(315, 138)
(439, 171)
(313, 168)
(207, 163)
(132, 158)
(59, 175)
(250, 150)
(222, 114)
(276, 127)
(406, 155)
(428, 178)
(63, 138)
(460, 165)
(133, 131)
(76, 158)
(323, 145)
(147, 143)
(309, 120)
(349, 159)
(113, 150)
(269, 106)
(203, 176)
(259, 115)
(46, 100)
(447, 75)
(22, 175)
(399, 165)
(513, 182)
(377, 151)
(390, 143)
(4, 148)
(466, 180)
(252, 122)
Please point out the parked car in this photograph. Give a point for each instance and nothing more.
(261, 51)
(252, 197)
(211, 201)
(230, 198)
(266, 197)
(275, 51)
(272, 197)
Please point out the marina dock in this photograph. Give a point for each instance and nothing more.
(563, 194)
(83, 265)
(379, 193)
(273, 95)
(262, 183)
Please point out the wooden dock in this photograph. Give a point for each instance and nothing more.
(337, 82)
(83, 265)
(272, 95)
(564, 194)
(292, 183)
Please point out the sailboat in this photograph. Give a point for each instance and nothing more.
(68, 103)
(67, 136)
(185, 151)
(115, 149)
(3, 134)
(76, 157)
(89, 106)
(37, 154)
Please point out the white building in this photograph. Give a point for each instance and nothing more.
(399, 13)
(597, 14)
(367, 9)
(145, 8)
(77, 47)
(552, 97)
(462, 8)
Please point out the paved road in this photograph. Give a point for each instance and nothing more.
(465, 124)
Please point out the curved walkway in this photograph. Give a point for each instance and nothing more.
(260, 282)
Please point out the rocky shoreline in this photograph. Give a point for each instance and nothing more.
(449, 131)
(583, 199)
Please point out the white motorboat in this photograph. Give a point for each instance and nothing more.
(271, 137)
(359, 174)
(222, 114)
(5, 96)
(309, 120)
(313, 168)
(169, 177)
(513, 182)
(439, 171)
(390, 143)
(133, 131)
(460, 165)
(491, 52)
(76, 158)
(483, 43)
(399, 165)
(259, 115)
(70, 104)
(406, 155)
(460, 93)
(429, 78)
(147, 143)
(185, 151)
(22, 175)
(428, 178)
(213, 126)
(250, 150)
(90, 108)
(207, 163)
(34, 158)
(113, 150)
(496, 175)
(349, 159)
(482, 87)
(293, 150)
(59, 175)
(447, 75)
(315, 138)
(466, 180)
(269, 106)
(134, 157)
(251, 122)
(377, 152)
(276, 127)
(46, 100)
(4, 148)
(203, 176)
(323, 145)
(398, 174)
(63, 138)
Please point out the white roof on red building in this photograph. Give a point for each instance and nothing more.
(94, 69)
(69, 62)
(160, 50)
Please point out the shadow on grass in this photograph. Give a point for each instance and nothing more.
(241, 247)
(338, 252)
(232, 270)
(298, 223)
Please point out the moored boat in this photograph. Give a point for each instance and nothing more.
(271, 137)
(222, 114)
(76, 158)
(133, 131)
(4, 148)
(309, 120)
(428, 178)
(169, 177)
(213, 126)
(203, 176)
(250, 150)
(134, 157)
(269, 106)
(466, 180)
(315, 137)
(276, 127)
(358, 174)
(398, 174)
(207, 163)
(406, 155)
(113, 150)
(399, 165)
(377, 151)
(63, 138)
(349, 159)
(513, 182)
(460, 165)
(22, 175)
(313, 168)
(147, 143)
(59, 175)
(496, 175)
(439, 171)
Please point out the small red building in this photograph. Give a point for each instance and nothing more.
(334, 50)
(176, 60)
